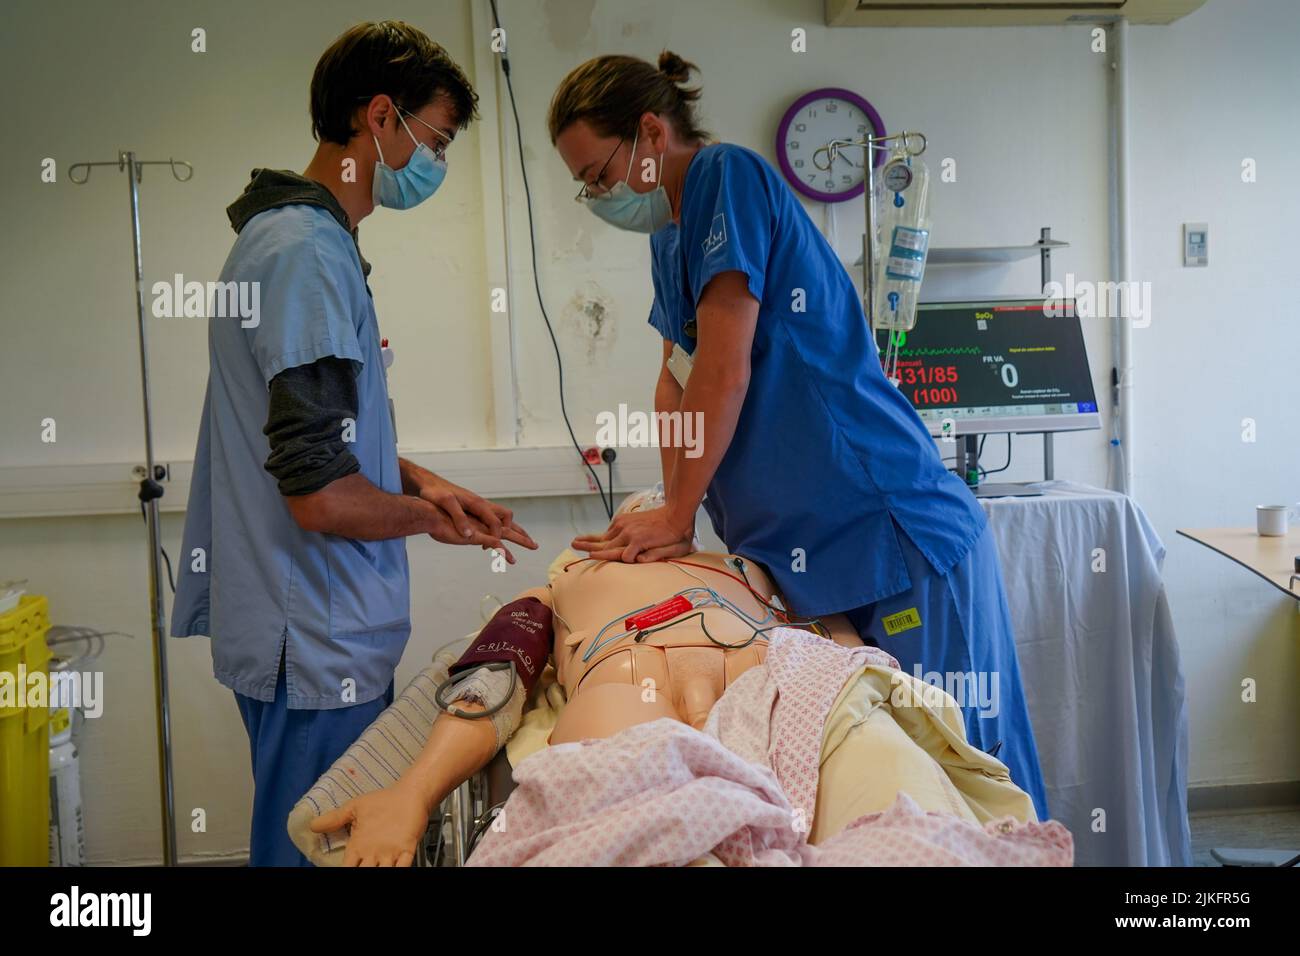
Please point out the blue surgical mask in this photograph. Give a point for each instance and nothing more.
(413, 183)
(628, 209)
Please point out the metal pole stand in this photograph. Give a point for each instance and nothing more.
(150, 491)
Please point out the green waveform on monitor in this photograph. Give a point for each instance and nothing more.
(950, 350)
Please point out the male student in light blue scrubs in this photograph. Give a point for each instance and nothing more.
(813, 463)
(295, 534)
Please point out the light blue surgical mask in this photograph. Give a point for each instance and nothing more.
(628, 209)
(413, 183)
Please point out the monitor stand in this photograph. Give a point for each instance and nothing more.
(968, 466)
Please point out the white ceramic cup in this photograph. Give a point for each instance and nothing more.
(1271, 520)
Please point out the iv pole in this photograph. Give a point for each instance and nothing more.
(870, 145)
(150, 491)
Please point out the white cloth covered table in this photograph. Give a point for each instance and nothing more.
(1101, 670)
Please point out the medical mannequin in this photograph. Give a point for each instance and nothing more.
(677, 668)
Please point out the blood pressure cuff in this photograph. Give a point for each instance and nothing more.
(520, 633)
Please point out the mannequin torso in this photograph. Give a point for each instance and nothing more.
(678, 667)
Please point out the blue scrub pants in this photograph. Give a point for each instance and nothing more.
(956, 629)
(291, 749)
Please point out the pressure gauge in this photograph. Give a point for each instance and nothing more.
(897, 176)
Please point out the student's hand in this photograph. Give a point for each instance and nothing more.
(637, 537)
(471, 519)
(442, 528)
(384, 827)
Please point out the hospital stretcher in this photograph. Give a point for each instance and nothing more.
(383, 752)
(466, 813)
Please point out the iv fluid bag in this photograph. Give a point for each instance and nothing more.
(902, 240)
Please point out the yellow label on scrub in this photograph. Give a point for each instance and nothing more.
(902, 621)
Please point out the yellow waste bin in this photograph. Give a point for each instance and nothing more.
(24, 734)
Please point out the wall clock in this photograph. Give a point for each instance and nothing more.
(812, 121)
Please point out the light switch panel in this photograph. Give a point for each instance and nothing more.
(1196, 243)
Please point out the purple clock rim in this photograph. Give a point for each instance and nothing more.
(873, 116)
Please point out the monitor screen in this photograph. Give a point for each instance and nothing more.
(998, 366)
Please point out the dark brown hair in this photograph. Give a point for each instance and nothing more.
(389, 57)
(612, 93)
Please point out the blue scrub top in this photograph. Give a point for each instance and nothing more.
(339, 609)
(828, 456)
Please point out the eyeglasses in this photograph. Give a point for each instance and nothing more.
(594, 189)
(440, 148)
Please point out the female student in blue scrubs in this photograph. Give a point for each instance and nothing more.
(813, 463)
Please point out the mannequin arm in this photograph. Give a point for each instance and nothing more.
(385, 826)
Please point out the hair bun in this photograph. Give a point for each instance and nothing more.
(674, 67)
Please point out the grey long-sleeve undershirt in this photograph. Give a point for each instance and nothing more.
(305, 422)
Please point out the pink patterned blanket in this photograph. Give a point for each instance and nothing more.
(745, 789)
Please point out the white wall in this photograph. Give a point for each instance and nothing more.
(1022, 111)
(117, 77)
(1221, 348)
